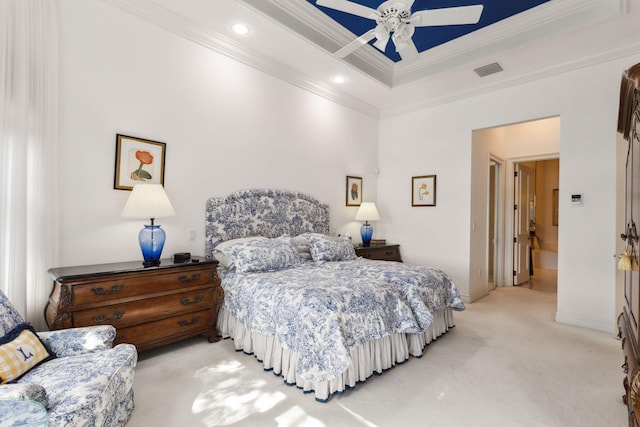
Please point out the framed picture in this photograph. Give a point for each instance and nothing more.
(354, 191)
(137, 161)
(423, 190)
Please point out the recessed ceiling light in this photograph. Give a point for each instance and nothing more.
(339, 79)
(240, 29)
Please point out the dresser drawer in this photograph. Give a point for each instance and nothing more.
(145, 310)
(100, 291)
(166, 330)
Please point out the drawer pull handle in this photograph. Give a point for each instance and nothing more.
(625, 365)
(186, 279)
(623, 342)
(103, 319)
(114, 290)
(186, 323)
(187, 301)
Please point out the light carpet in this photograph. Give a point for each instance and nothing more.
(506, 363)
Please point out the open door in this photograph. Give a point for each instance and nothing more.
(523, 187)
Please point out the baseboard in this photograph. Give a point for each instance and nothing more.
(586, 322)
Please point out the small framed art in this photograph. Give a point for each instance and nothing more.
(137, 161)
(423, 190)
(354, 191)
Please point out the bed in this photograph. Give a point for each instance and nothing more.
(305, 305)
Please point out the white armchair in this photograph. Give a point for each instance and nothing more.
(88, 383)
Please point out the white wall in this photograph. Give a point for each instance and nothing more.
(438, 141)
(226, 126)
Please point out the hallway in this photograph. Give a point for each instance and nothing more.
(543, 280)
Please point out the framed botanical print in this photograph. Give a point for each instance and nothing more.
(354, 191)
(423, 190)
(138, 161)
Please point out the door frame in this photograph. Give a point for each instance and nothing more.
(499, 222)
(508, 210)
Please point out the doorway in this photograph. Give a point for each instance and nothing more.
(536, 222)
(491, 233)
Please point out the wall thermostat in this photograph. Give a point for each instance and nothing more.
(576, 200)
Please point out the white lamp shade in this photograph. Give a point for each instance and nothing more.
(148, 201)
(367, 212)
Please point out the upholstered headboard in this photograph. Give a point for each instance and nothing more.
(261, 212)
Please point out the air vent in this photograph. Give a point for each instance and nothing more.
(488, 69)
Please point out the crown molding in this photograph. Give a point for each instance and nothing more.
(555, 17)
(540, 21)
(192, 31)
(306, 20)
(611, 54)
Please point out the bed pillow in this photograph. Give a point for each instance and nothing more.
(20, 351)
(330, 248)
(303, 247)
(223, 260)
(262, 255)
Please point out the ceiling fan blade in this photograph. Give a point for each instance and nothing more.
(357, 43)
(447, 16)
(406, 48)
(349, 7)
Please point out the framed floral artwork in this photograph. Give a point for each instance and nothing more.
(354, 191)
(423, 190)
(137, 161)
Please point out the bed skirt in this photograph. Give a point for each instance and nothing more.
(366, 359)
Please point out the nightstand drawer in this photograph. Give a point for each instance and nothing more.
(382, 252)
(146, 310)
(131, 285)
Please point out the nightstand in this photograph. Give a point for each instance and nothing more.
(149, 307)
(380, 252)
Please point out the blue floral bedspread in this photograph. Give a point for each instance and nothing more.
(322, 310)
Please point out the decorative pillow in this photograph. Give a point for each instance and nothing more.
(20, 351)
(262, 255)
(220, 255)
(330, 248)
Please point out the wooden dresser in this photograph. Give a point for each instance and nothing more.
(380, 252)
(149, 307)
(629, 114)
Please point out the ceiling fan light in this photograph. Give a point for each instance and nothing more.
(406, 31)
(382, 37)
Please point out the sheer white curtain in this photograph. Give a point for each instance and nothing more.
(28, 152)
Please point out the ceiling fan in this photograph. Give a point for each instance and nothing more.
(394, 20)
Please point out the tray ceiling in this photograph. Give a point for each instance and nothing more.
(296, 40)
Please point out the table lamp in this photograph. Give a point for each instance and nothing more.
(367, 212)
(149, 201)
